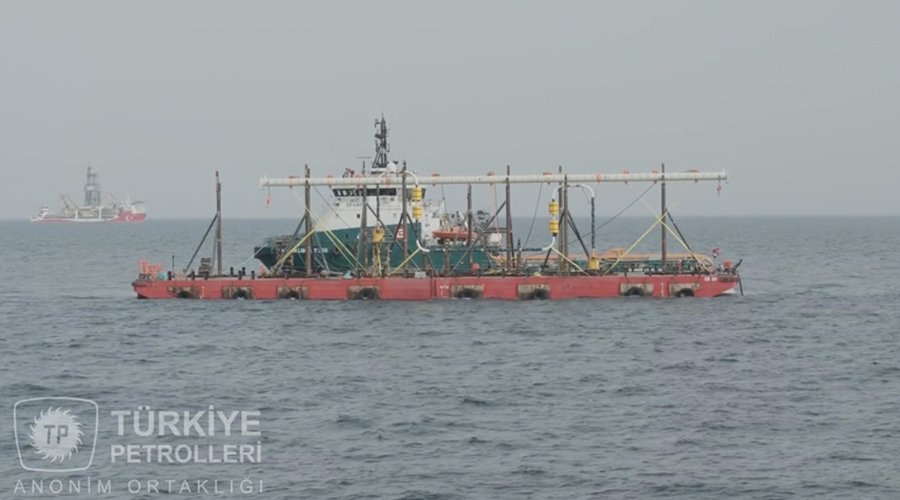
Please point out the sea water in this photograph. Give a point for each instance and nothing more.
(790, 391)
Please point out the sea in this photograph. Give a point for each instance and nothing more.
(789, 391)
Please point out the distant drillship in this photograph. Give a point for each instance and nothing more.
(96, 208)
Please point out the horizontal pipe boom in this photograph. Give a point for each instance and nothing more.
(396, 180)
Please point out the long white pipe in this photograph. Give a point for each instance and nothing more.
(396, 180)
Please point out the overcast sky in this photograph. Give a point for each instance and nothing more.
(799, 101)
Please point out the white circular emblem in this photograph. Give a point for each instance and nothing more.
(55, 434)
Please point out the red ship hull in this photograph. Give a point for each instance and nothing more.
(398, 288)
(126, 217)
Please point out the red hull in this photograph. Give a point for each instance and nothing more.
(126, 217)
(397, 288)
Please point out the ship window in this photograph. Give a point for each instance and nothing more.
(342, 193)
(381, 192)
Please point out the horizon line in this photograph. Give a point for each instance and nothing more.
(805, 215)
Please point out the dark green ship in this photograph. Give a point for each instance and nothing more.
(369, 230)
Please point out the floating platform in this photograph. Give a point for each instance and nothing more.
(429, 288)
(96, 208)
(359, 261)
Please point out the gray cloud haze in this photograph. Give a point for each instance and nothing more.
(799, 101)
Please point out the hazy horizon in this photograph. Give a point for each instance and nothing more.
(797, 101)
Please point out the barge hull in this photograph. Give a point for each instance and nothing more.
(472, 287)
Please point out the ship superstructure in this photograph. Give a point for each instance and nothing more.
(97, 207)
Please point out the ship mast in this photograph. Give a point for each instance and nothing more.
(218, 225)
(381, 146)
(663, 227)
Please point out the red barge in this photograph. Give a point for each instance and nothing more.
(407, 248)
(464, 287)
